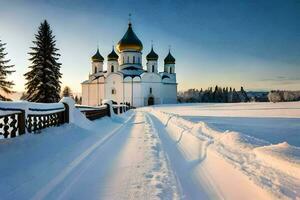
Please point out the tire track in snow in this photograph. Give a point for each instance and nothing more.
(42, 193)
(183, 169)
(142, 170)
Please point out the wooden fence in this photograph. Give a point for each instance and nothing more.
(93, 113)
(14, 122)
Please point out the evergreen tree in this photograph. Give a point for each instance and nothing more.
(43, 84)
(76, 99)
(235, 96)
(5, 69)
(67, 92)
(243, 95)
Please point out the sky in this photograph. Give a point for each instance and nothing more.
(255, 44)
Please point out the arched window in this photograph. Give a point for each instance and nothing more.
(95, 70)
(139, 60)
(128, 59)
(150, 90)
(152, 69)
(112, 68)
(113, 91)
(133, 59)
(170, 70)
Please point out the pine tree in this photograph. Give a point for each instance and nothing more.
(76, 99)
(43, 84)
(5, 69)
(67, 92)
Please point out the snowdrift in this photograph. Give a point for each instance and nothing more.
(275, 168)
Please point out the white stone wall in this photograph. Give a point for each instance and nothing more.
(128, 58)
(169, 67)
(151, 63)
(97, 67)
(112, 63)
(169, 93)
(114, 81)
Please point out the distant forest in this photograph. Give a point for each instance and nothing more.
(231, 95)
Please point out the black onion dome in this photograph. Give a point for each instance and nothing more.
(169, 59)
(97, 57)
(113, 55)
(130, 41)
(152, 55)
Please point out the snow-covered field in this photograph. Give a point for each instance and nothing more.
(250, 143)
(160, 152)
(273, 122)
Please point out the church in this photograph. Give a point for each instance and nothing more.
(126, 80)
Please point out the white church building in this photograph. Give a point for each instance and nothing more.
(126, 80)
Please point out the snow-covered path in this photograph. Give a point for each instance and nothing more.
(142, 170)
(128, 163)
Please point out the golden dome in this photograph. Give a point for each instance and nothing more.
(130, 41)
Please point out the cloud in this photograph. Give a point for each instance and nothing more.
(281, 78)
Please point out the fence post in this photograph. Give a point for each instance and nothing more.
(66, 113)
(21, 122)
(108, 109)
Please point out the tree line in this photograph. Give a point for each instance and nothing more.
(217, 95)
(281, 96)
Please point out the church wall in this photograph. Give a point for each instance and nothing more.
(169, 92)
(130, 54)
(97, 67)
(151, 63)
(114, 81)
(112, 63)
(84, 89)
(137, 94)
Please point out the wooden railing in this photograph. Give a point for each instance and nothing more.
(93, 113)
(34, 117)
(40, 120)
(14, 122)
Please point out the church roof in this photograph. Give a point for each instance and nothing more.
(130, 41)
(97, 57)
(169, 59)
(113, 55)
(152, 55)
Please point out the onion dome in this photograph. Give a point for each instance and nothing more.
(130, 41)
(169, 59)
(113, 55)
(97, 57)
(152, 55)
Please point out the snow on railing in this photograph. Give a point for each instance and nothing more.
(96, 112)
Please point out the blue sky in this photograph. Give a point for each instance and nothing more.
(230, 43)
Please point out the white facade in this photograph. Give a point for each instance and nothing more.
(126, 80)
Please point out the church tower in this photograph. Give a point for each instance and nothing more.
(152, 58)
(130, 50)
(112, 61)
(97, 62)
(169, 64)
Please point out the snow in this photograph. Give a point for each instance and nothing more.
(267, 109)
(273, 122)
(30, 107)
(33, 165)
(273, 167)
(151, 153)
